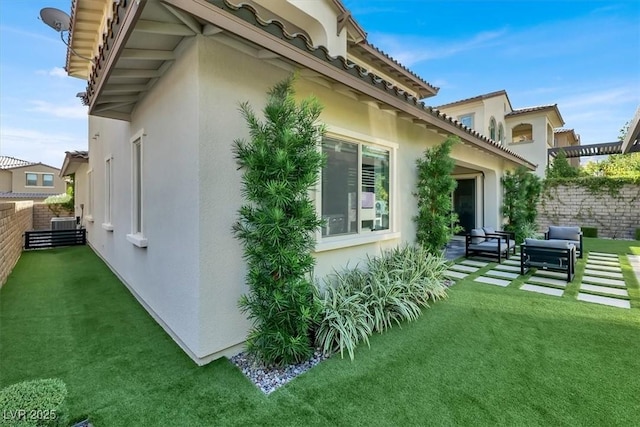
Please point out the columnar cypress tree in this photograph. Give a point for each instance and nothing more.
(276, 225)
(435, 218)
(520, 201)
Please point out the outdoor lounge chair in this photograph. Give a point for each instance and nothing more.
(555, 255)
(571, 235)
(488, 242)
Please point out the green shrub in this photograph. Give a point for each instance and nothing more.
(392, 288)
(34, 403)
(436, 221)
(637, 233)
(281, 163)
(589, 231)
(519, 205)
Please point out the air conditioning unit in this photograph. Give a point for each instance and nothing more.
(63, 223)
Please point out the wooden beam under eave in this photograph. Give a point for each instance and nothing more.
(165, 28)
(135, 73)
(116, 89)
(211, 30)
(148, 55)
(185, 18)
(116, 98)
(111, 106)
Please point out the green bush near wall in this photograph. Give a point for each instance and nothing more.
(589, 231)
(637, 233)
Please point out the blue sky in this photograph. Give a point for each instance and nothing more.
(582, 55)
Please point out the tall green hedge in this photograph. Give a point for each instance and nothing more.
(281, 163)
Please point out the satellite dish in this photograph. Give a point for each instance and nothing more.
(55, 18)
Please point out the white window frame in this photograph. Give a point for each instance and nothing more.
(108, 193)
(137, 237)
(328, 243)
(89, 215)
(471, 116)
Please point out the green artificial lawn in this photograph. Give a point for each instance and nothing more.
(484, 356)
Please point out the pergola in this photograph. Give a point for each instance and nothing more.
(631, 144)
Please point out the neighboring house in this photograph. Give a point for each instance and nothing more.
(76, 164)
(565, 138)
(528, 131)
(23, 180)
(163, 188)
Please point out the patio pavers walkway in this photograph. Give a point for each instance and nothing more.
(608, 290)
(602, 283)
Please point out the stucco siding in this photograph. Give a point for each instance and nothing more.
(20, 180)
(535, 151)
(242, 77)
(165, 274)
(5, 180)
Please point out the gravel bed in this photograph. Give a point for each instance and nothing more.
(269, 378)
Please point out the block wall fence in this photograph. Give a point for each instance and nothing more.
(615, 216)
(15, 219)
(42, 216)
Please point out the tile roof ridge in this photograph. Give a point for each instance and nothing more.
(405, 68)
(475, 98)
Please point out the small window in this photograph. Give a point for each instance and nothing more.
(492, 129)
(32, 179)
(89, 212)
(466, 120)
(47, 180)
(137, 191)
(137, 186)
(108, 193)
(351, 167)
(501, 133)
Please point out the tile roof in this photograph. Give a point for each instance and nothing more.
(562, 130)
(384, 60)
(11, 195)
(7, 162)
(531, 109)
(274, 27)
(475, 98)
(78, 154)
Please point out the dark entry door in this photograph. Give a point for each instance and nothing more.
(464, 203)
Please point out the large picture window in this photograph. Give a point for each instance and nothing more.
(355, 188)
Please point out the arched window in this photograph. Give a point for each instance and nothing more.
(500, 133)
(492, 128)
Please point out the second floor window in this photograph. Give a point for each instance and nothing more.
(492, 129)
(466, 120)
(47, 180)
(32, 179)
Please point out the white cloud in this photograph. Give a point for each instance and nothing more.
(38, 145)
(54, 72)
(62, 111)
(409, 50)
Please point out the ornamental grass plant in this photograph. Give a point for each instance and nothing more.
(391, 288)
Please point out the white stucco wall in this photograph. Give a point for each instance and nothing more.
(81, 192)
(192, 274)
(536, 151)
(165, 275)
